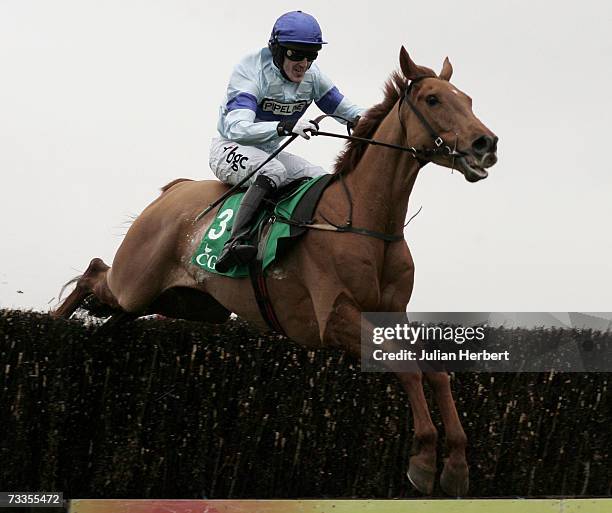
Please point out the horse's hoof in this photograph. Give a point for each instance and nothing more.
(422, 478)
(455, 479)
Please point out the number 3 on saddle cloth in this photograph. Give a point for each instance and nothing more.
(296, 201)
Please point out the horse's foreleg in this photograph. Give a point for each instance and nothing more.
(343, 330)
(455, 475)
(422, 468)
(93, 281)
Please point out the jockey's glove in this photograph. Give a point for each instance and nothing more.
(350, 126)
(299, 127)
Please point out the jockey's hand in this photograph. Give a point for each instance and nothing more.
(350, 126)
(299, 127)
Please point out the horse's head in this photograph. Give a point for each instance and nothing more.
(448, 112)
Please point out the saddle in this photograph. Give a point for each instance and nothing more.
(282, 218)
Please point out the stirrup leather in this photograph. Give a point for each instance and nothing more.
(236, 251)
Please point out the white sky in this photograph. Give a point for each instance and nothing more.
(101, 103)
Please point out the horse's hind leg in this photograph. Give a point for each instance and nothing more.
(93, 281)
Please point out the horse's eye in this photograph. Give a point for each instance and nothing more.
(432, 100)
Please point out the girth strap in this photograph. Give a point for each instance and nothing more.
(330, 227)
(387, 237)
(258, 280)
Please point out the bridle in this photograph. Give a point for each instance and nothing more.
(423, 155)
(440, 147)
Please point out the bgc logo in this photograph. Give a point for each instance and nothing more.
(235, 160)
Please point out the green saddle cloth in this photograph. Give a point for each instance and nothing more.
(219, 231)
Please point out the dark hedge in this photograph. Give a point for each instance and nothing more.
(176, 409)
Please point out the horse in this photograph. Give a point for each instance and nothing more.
(320, 286)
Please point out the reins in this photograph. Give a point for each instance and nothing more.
(422, 155)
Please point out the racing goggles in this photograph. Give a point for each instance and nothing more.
(300, 55)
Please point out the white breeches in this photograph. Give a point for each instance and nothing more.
(231, 162)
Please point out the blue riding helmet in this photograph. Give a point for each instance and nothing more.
(297, 27)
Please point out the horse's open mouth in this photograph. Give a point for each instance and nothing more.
(472, 171)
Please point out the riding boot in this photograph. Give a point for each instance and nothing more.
(237, 251)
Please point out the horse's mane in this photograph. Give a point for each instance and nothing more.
(353, 151)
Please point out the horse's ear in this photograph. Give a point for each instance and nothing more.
(447, 70)
(411, 70)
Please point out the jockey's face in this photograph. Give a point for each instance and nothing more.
(295, 70)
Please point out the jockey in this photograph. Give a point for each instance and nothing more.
(267, 95)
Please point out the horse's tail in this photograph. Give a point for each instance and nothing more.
(66, 285)
(65, 308)
(89, 302)
(168, 186)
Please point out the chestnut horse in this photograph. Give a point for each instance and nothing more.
(322, 284)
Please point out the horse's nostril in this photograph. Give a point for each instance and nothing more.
(483, 144)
